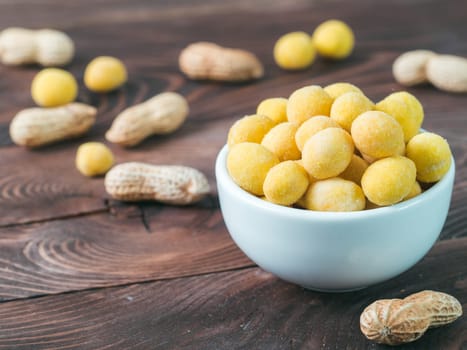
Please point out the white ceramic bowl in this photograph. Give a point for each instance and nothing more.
(333, 251)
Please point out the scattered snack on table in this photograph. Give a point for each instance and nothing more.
(311, 127)
(389, 180)
(248, 164)
(370, 167)
(285, 183)
(53, 87)
(334, 194)
(328, 153)
(93, 158)
(337, 89)
(250, 128)
(274, 108)
(333, 39)
(308, 102)
(34, 127)
(431, 155)
(349, 106)
(378, 135)
(161, 114)
(209, 61)
(171, 184)
(280, 140)
(399, 321)
(104, 74)
(294, 51)
(47, 47)
(410, 68)
(406, 109)
(446, 72)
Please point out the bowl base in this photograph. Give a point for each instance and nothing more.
(325, 290)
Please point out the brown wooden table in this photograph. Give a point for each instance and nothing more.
(79, 270)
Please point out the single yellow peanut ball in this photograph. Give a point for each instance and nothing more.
(93, 158)
(280, 140)
(377, 135)
(349, 106)
(104, 74)
(406, 109)
(248, 164)
(333, 39)
(250, 128)
(294, 51)
(327, 153)
(53, 87)
(308, 102)
(355, 170)
(311, 127)
(285, 183)
(337, 89)
(431, 155)
(274, 108)
(389, 180)
(334, 194)
(414, 192)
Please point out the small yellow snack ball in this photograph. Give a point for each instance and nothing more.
(334, 194)
(53, 87)
(104, 73)
(308, 102)
(294, 51)
(414, 192)
(248, 164)
(327, 153)
(280, 140)
(274, 108)
(355, 170)
(337, 89)
(406, 109)
(333, 39)
(93, 158)
(378, 135)
(389, 180)
(349, 106)
(285, 183)
(431, 155)
(311, 127)
(250, 128)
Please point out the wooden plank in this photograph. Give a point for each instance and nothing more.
(130, 245)
(248, 309)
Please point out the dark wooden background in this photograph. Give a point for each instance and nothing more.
(78, 270)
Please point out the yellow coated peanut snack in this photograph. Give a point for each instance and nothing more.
(93, 158)
(274, 108)
(328, 153)
(294, 51)
(334, 39)
(347, 107)
(389, 180)
(250, 128)
(414, 192)
(334, 194)
(431, 155)
(104, 74)
(248, 164)
(355, 169)
(285, 183)
(280, 140)
(378, 135)
(311, 127)
(337, 89)
(53, 87)
(308, 102)
(406, 109)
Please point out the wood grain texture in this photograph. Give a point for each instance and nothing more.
(245, 309)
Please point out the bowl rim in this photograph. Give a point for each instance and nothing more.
(223, 179)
